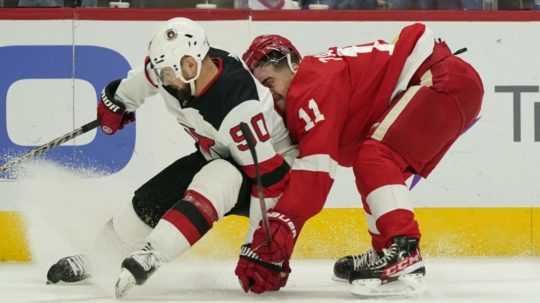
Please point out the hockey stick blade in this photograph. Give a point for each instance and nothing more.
(50, 145)
(251, 143)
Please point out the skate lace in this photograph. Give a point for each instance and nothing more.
(77, 265)
(388, 255)
(364, 259)
(372, 259)
(147, 257)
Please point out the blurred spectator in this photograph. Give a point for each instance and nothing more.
(342, 4)
(409, 4)
(266, 4)
(332, 4)
(40, 3)
(398, 4)
(177, 3)
(56, 3)
(515, 4)
(434, 4)
(473, 4)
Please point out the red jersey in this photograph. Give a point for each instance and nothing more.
(332, 104)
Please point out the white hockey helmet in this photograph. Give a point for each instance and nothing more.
(179, 37)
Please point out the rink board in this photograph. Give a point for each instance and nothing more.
(482, 200)
(337, 232)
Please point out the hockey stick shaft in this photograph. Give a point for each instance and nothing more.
(50, 145)
(250, 139)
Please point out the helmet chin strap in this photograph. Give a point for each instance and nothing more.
(290, 64)
(191, 81)
(192, 87)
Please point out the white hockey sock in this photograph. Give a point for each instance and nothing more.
(168, 241)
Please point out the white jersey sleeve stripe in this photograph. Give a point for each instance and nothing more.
(422, 50)
(316, 163)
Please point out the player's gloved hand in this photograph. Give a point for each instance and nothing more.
(111, 113)
(265, 267)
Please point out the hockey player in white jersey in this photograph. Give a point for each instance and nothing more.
(210, 92)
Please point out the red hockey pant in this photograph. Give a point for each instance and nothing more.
(412, 137)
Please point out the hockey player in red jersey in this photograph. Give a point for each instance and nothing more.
(388, 110)
(210, 93)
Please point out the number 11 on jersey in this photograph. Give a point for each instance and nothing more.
(315, 112)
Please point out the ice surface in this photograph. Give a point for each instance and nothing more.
(448, 280)
(64, 211)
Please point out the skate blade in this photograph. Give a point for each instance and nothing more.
(124, 283)
(409, 285)
(340, 280)
(63, 283)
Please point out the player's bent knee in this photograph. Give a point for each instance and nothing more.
(129, 227)
(377, 165)
(149, 210)
(219, 183)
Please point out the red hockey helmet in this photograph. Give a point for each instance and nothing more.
(265, 44)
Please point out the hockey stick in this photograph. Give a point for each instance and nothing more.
(50, 145)
(251, 142)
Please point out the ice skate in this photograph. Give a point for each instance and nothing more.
(70, 269)
(396, 271)
(136, 269)
(345, 265)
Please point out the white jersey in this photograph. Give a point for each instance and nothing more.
(213, 118)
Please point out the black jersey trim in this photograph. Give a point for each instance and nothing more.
(231, 88)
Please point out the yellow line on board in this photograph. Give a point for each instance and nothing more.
(13, 246)
(336, 232)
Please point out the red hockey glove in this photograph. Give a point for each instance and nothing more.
(265, 267)
(112, 113)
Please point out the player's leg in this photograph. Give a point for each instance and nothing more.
(417, 131)
(213, 192)
(380, 170)
(380, 178)
(129, 227)
(412, 136)
(428, 118)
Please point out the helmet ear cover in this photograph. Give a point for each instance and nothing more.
(264, 45)
(178, 38)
